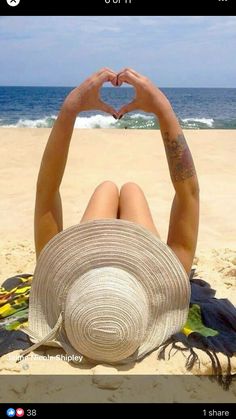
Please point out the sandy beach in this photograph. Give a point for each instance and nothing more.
(120, 156)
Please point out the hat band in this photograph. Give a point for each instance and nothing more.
(41, 341)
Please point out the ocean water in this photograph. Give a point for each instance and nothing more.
(37, 107)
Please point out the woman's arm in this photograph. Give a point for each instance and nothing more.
(48, 208)
(184, 218)
(48, 219)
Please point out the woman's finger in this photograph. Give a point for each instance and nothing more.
(114, 82)
(104, 76)
(131, 70)
(128, 77)
(102, 106)
(128, 108)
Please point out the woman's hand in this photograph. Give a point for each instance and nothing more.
(87, 96)
(148, 97)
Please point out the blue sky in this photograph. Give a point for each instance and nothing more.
(173, 51)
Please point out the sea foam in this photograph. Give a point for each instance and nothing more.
(194, 122)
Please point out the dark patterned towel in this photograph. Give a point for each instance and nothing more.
(211, 327)
(14, 307)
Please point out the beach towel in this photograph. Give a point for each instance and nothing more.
(211, 325)
(14, 308)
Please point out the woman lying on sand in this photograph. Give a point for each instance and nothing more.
(109, 288)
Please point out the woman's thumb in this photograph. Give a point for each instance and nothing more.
(127, 108)
(108, 109)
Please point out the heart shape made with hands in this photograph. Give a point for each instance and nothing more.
(126, 76)
(119, 99)
(88, 96)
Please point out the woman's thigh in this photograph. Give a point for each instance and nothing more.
(103, 202)
(133, 206)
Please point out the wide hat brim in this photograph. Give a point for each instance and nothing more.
(110, 243)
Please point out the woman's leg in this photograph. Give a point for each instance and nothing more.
(133, 206)
(103, 203)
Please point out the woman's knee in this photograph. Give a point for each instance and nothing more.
(108, 186)
(130, 188)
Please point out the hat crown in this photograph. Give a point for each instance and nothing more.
(106, 314)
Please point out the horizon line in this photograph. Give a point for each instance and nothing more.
(122, 87)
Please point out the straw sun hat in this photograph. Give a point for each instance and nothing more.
(108, 290)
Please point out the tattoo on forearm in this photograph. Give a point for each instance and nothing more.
(179, 158)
